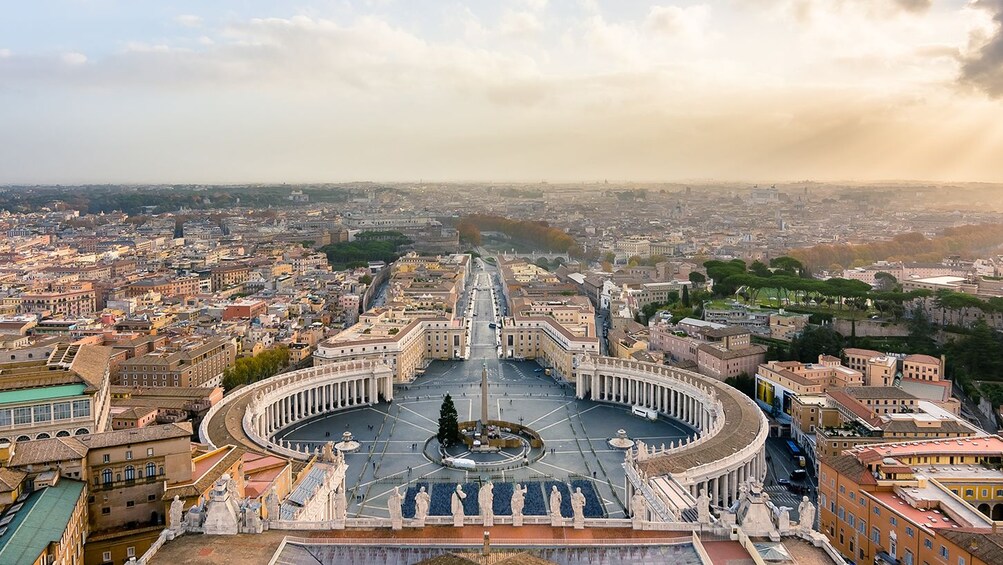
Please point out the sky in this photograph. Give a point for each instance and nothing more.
(231, 91)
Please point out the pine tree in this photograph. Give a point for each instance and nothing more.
(449, 426)
(686, 296)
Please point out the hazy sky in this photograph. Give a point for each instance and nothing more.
(757, 90)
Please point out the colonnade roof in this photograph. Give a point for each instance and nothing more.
(742, 424)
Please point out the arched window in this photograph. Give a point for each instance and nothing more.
(130, 473)
(42, 435)
(151, 470)
(161, 469)
(63, 433)
(106, 476)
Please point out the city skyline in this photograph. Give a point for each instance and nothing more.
(96, 92)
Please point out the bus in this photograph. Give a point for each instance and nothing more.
(795, 452)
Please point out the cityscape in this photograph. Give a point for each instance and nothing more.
(339, 334)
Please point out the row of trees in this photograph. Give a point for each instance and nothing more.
(960, 240)
(368, 246)
(249, 370)
(539, 235)
(789, 278)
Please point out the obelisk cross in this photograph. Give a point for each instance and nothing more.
(484, 394)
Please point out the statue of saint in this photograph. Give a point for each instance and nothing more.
(421, 503)
(518, 503)
(578, 508)
(340, 503)
(456, 506)
(394, 506)
(272, 504)
(485, 499)
(177, 510)
(639, 506)
(555, 507)
(703, 508)
(806, 515)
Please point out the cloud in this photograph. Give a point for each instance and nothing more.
(914, 6)
(74, 58)
(673, 20)
(519, 24)
(983, 68)
(188, 20)
(4, 53)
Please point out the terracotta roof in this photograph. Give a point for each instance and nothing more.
(48, 451)
(849, 467)
(91, 363)
(985, 545)
(137, 435)
(208, 478)
(920, 358)
(878, 392)
(10, 479)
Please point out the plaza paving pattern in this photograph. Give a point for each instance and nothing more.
(393, 434)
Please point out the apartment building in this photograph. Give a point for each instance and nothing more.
(913, 502)
(47, 526)
(126, 472)
(406, 342)
(551, 331)
(717, 350)
(72, 301)
(779, 382)
(187, 363)
(62, 392)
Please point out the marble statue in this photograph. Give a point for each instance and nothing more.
(784, 519)
(327, 455)
(422, 500)
(394, 506)
(518, 503)
(340, 506)
(177, 510)
(252, 519)
(703, 508)
(555, 507)
(638, 509)
(485, 499)
(457, 506)
(806, 516)
(578, 509)
(272, 505)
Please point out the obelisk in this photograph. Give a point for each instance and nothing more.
(484, 394)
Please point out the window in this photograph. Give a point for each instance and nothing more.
(151, 470)
(907, 558)
(943, 552)
(893, 521)
(106, 458)
(130, 503)
(842, 513)
(875, 535)
(61, 411)
(927, 543)
(106, 476)
(106, 510)
(5, 417)
(128, 455)
(130, 551)
(43, 413)
(877, 511)
(969, 492)
(81, 408)
(22, 415)
(909, 531)
(130, 473)
(106, 557)
(151, 498)
(149, 452)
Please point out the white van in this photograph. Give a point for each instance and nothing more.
(460, 463)
(645, 413)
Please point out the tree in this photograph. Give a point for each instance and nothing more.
(449, 426)
(760, 269)
(697, 278)
(885, 282)
(686, 296)
(365, 279)
(787, 266)
(814, 341)
(744, 383)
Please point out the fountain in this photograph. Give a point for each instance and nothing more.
(621, 441)
(347, 443)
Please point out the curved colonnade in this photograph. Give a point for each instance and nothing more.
(728, 449)
(254, 414)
